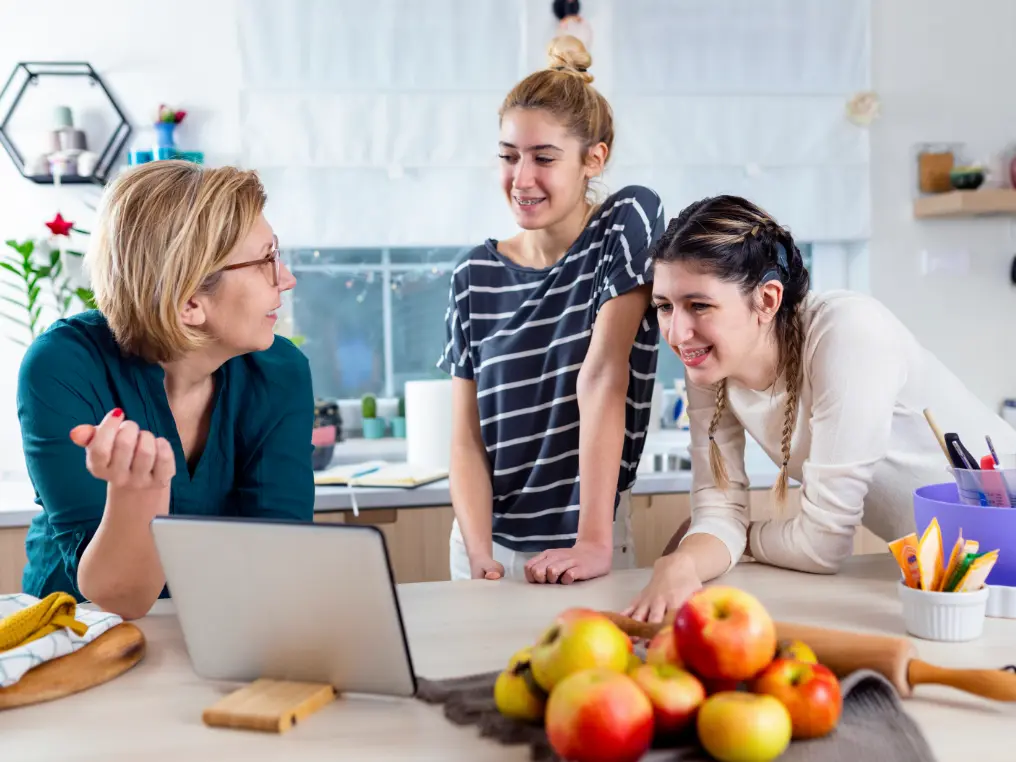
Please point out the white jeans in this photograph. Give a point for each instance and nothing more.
(514, 561)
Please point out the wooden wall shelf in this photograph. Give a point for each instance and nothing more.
(967, 203)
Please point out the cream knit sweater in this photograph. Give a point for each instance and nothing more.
(861, 445)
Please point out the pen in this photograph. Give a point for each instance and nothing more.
(358, 474)
(991, 449)
(962, 457)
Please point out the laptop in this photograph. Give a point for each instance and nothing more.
(287, 601)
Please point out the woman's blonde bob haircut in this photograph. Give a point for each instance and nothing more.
(164, 231)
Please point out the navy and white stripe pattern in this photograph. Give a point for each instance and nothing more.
(522, 334)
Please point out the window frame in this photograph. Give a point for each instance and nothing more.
(833, 265)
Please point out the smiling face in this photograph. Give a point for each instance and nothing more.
(544, 170)
(240, 311)
(715, 329)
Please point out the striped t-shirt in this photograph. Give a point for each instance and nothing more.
(521, 334)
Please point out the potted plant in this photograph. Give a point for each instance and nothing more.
(33, 268)
(399, 421)
(373, 427)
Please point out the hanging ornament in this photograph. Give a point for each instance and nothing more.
(571, 23)
(863, 109)
(59, 226)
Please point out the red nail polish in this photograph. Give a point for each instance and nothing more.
(117, 412)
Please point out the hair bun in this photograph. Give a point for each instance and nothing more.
(567, 53)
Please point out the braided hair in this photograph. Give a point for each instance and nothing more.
(738, 242)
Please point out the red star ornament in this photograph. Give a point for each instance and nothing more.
(59, 226)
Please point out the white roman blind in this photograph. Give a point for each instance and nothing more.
(375, 123)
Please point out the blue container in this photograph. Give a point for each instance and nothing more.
(373, 428)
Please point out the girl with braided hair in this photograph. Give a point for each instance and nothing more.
(831, 385)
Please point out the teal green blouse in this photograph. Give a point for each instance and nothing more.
(256, 461)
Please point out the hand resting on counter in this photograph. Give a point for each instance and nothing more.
(584, 560)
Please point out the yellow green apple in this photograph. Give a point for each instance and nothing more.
(516, 694)
(797, 650)
(579, 639)
(736, 726)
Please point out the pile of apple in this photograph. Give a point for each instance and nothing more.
(718, 672)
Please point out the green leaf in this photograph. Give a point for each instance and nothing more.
(87, 297)
(11, 268)
(26, 248)
(74, 253)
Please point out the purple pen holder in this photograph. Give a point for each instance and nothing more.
(991, 527)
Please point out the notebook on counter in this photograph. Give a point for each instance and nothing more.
(380, 473)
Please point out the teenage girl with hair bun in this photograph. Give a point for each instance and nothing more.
(552, 345)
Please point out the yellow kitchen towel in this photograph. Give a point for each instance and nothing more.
(50, 614)
(34, 631)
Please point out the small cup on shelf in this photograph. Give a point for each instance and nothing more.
(943, 616)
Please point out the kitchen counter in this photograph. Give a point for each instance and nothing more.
(154, 711)
(17, 506)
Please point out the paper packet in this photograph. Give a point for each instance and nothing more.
(904, 550)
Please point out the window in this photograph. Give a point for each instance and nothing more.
(373, 318)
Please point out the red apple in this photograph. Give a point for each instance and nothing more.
(725, 634)
(598, 715)
(578, 639)
(743, 727)
(675, 694)
(810, 692)
(662, 649)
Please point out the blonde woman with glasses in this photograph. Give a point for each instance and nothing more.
(174, 397)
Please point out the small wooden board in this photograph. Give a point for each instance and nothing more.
(272, 706)
(108, 656)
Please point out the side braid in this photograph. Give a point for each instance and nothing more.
(792, 367)
(716, 464)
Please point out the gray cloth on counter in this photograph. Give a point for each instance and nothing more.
(874, 724)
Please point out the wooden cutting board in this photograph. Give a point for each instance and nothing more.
(109, 655)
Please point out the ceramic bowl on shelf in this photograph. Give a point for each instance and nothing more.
(966, 178)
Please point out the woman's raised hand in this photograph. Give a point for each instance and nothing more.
(120, 453)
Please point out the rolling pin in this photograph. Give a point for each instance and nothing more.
(892, 657)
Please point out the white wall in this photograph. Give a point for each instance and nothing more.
(943, 71)
(684, 77)
(139, 51)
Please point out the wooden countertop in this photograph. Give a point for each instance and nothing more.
(154, 711)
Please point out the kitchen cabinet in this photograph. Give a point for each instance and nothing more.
(417, 538)
(12, 558)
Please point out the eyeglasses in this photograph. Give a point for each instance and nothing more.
(273, 257)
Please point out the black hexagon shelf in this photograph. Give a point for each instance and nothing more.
(31, 73)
